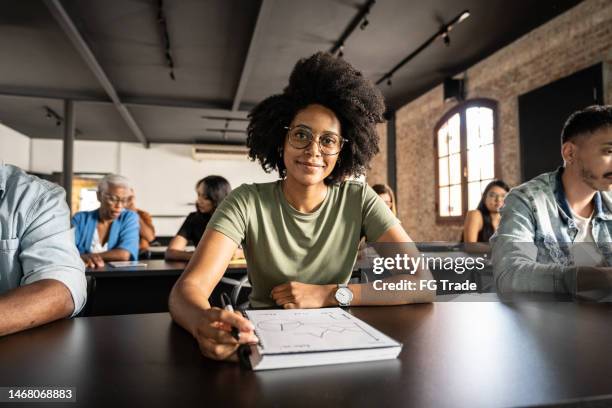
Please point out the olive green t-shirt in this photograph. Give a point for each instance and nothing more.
(282, 244)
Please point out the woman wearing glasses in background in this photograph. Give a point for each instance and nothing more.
(110, 233)
(300, 234)
(481, 223)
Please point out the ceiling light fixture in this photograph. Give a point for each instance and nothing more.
(443, 33)
(364, 23)
(225, 118)
(360, 20)
(53, 115)
(161, 19)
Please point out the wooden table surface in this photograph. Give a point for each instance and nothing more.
(471, 354)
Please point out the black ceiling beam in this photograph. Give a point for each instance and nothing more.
(20, 92)
(352, 26)
(211, 110)
(61, 16)
(442, 32)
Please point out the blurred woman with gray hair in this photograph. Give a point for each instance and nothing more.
(111, 232)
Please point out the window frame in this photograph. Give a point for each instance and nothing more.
(461, 110)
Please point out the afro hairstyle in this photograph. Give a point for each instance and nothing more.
(333, 83)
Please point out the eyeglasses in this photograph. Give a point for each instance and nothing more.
(114, 200)
(494, 196)
(301, 138)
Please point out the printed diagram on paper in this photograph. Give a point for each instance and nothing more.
(283, 331)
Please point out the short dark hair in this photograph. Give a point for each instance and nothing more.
(586, 121)
(216, 187)
(333, 83)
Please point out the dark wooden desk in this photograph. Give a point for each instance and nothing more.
(155, 267)
(485, 354)
(139, 289)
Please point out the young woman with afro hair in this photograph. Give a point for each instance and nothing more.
(300, 234)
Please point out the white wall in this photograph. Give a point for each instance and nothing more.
(14, 148)
(163, 176)
(89, 157)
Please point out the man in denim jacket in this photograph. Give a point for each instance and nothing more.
(42, 277)
(546, 218)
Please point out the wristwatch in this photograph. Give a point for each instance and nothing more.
(343, 295)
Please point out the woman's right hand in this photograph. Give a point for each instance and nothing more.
(213, 333)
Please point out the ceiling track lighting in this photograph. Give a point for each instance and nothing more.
(443, 33)
(225, 118)
(53, 115)
(227, 130)
(446, 39)
(360, 20)
(161, 19)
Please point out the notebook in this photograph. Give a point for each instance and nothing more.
(127, 264)
(310, 337)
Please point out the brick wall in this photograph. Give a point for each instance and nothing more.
(573, 41)
(378, 172)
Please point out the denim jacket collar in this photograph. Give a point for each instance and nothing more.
(566, 214)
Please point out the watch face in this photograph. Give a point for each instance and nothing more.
(343, 296)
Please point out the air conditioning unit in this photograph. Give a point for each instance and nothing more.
(218, 151)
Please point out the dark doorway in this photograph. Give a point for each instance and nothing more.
(543, 111)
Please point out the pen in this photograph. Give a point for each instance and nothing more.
(226, 302)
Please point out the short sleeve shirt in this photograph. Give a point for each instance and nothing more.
(282, 244)
(194, 226)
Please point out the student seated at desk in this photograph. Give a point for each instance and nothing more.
(111, 232)
(42, 278)
(481, 223)
(386, 194)
(211, 191)
(301, 233)
(556, 229)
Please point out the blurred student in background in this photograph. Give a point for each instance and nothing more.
(481, 223)
(147, 230)
(111, 232)
(387, 195)
(211, 191)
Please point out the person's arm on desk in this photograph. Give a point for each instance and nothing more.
(32, 305)
(189, 306)
(176, 249)
(294, 295)
(97, 260)
(52, 281)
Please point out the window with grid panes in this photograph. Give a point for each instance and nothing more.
(465, 152)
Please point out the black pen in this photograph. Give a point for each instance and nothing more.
(226, 302)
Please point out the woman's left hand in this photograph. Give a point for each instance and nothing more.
(296, 295)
